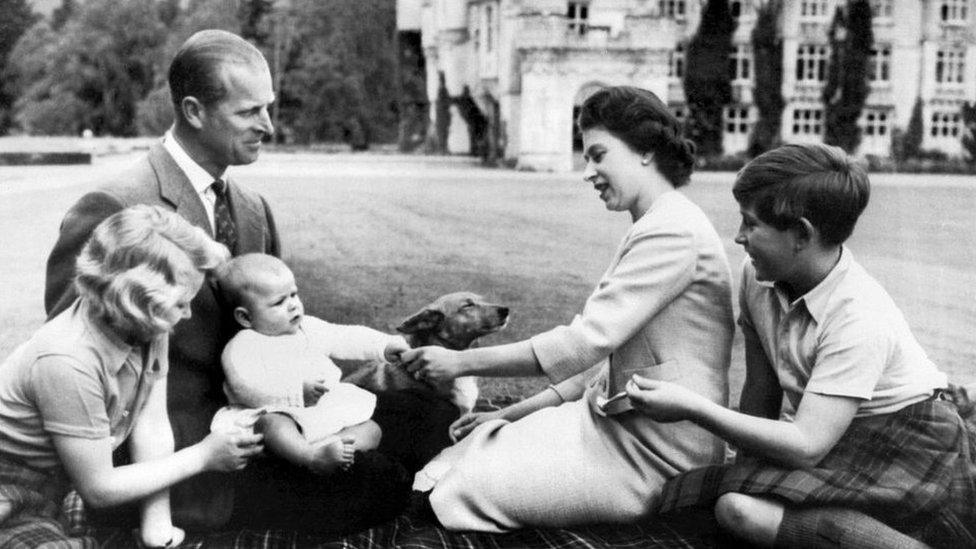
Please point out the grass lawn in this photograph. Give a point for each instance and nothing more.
(373, 238)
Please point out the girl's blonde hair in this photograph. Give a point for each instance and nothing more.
(137, 264)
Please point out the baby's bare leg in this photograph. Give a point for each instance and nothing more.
(282, 437)
(366, 435)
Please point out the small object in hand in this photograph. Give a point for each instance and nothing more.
(603, 403)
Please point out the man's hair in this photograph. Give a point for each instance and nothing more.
(240, 277)
(641, 120)
(136, 265)
(813, 181)
(195, 70)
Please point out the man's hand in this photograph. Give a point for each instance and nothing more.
(395, 349)
(312, 391)
(434, 365)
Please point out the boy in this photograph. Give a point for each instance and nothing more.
(280, 376)
(842, 430)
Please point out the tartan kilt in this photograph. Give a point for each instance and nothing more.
(913, 469)
(31, 509)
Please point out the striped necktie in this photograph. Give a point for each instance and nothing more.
(225, 231)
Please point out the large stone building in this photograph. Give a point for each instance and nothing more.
(528, 64)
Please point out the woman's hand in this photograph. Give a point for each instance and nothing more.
(434, 365)
(230, 452)
(467, 423)
(312, 391)
(170, 536)
(661, 400)
(395, 349)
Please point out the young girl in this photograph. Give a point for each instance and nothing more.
(844, 436)
(95, 376)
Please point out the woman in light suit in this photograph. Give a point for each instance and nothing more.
(573, 454)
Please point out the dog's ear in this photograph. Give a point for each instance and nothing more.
(422, 321)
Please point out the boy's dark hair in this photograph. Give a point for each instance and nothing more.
(813, 181)
(638, 118)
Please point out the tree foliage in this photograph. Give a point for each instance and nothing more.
(89, 74)
(16, 17)
(340, 81)
(847, 86)
(707, 84)
(767, 47)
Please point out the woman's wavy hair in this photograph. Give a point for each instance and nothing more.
(137, 264)
(638, 118)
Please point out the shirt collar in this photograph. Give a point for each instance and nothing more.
(198, 176)
(818, 298)
(111, 348)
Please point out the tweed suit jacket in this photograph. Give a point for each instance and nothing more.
(195, 379)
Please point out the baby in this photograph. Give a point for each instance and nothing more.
(281, 380)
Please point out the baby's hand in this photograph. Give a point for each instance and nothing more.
(313, 391)
(396, 347)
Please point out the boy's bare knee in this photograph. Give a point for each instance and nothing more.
(269, 423)
(754, 519)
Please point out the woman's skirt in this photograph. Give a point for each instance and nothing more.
(913, 469)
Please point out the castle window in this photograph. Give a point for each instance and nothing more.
(740, 59)
(577, 12)
(882, 9)
(737, 120)
(879, 64)
(813, 9)
(676, 62)
(738, 8)
(489, 29)
(672, 9)
(950, 65)
(807, 121)
(875, 122)
(954, 11)
(811, 63)
(945, 124)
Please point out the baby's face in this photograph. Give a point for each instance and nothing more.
(274, 307)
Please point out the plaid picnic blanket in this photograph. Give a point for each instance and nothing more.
(31, 509)
(412, 532)
(914, 470)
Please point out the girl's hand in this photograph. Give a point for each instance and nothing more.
(312, 391)
(661, 400)
(163, 537)
(467, 423)
(230, 452)
(434, 365)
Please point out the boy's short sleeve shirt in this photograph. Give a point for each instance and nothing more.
(845, 337)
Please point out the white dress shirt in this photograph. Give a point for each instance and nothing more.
(199, 178)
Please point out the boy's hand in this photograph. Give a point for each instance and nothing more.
(312, 391)
(466, 423)
(662, 400)
(396, 347)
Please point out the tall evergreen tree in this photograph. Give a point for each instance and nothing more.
(911, 141)
(767, 47)
(707, 84)
(16, 17)
(847, 86)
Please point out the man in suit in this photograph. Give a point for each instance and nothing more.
(221, 90)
